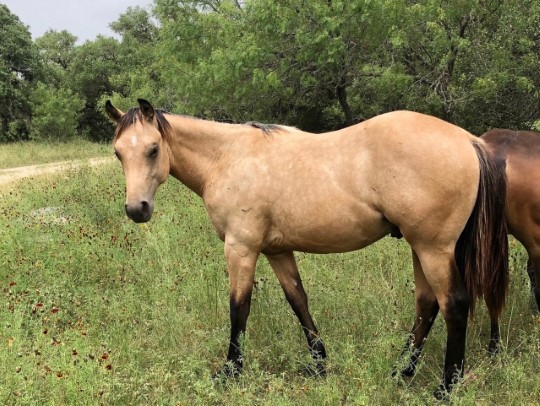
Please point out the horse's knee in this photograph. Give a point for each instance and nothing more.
(426, 304)
(424, 301)
(456, 309)
(296, 297)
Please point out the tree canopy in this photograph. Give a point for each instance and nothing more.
(17, 70)
(318, 65)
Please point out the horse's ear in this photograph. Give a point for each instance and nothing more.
(147, 110)
(114, 114)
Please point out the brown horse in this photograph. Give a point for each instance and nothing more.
(273, 189)
(521, 152)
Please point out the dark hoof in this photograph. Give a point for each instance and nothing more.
(494, 348)
(442, 393)
(318, 371)
(407, 372)
(229, 371)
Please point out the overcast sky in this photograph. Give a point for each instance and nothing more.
(83, 18)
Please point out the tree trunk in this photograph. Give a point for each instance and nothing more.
(341, 92)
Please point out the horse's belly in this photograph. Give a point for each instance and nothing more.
(336, 231)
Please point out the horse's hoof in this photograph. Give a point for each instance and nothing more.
(229, 371)
(318, 371)
(494, 348)
(441, 393)
(405, 372)
(409, 371)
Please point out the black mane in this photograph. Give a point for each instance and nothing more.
(265, 128)
(134, 114)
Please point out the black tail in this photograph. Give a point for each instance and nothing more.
(482, 249)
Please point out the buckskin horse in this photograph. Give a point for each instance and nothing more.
(520, 151)
(274, 189)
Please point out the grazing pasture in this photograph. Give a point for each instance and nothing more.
(98, 310)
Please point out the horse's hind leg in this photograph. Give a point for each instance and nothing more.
(284, 266)
(495, 334)
(442, 275)
(426, 311)
(533, 269)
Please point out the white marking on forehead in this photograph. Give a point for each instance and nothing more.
(133, 141)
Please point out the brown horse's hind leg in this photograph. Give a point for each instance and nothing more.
(454, 301)
(533, 269)
(495, 335)
(241, 263)
(426, 311)
(284, 266)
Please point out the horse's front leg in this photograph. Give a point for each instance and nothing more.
(241, 261)
(284, 266)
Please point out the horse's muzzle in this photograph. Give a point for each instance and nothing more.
(139, 212)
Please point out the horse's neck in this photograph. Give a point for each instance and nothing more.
(196, 146)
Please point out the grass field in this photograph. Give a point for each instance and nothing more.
(98, 310)
(33, 153)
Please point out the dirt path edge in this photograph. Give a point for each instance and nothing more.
(13, 174)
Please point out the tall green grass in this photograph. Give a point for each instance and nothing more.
(32, 153)
(98, 310)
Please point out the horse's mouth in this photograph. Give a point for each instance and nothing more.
(140, 212)
(139, 218)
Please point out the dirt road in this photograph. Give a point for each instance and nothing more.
(13, 174)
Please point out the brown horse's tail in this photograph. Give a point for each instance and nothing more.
(482, 249)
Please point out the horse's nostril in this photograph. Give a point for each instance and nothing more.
(139, 212)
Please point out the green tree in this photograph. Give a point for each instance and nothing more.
(499, 75)
(56, 113)
(136, 23)
(323, 64)
(94, 65)
(18, 66)
(287, 61)
(472, 62)
(56, 51)
(140, 72)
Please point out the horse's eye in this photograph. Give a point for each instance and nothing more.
(154, 151)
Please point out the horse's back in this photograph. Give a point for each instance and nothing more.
(521, 145)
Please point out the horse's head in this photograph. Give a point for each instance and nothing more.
(140, 145)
